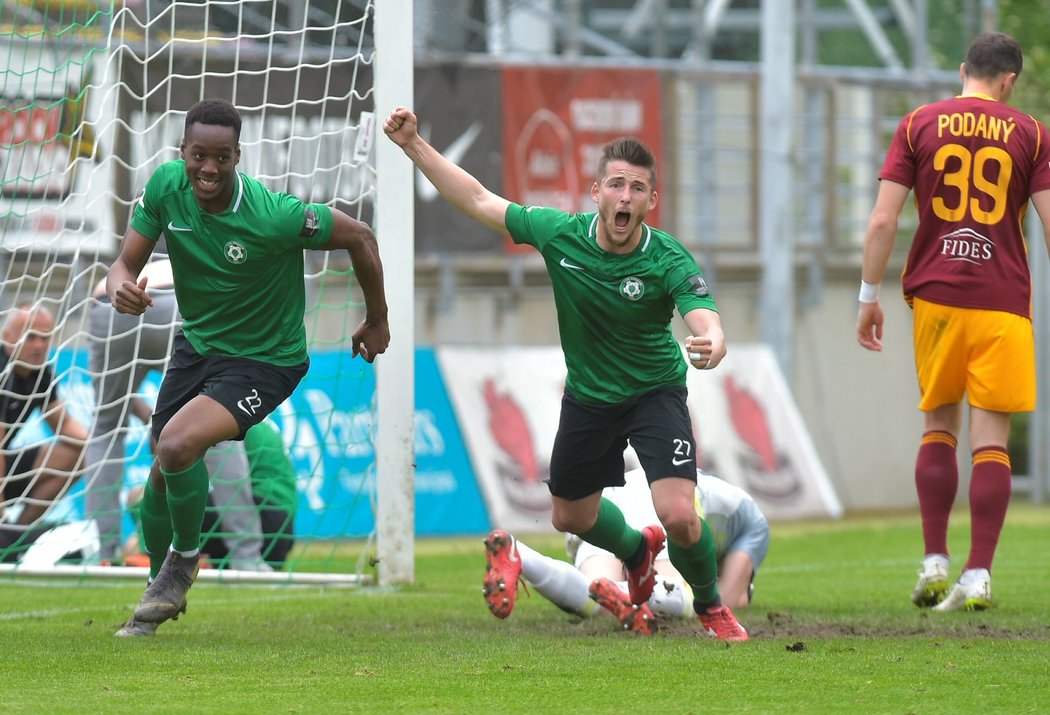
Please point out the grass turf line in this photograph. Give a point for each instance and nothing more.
(833, 631)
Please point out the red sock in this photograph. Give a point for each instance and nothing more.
(936, 482)
(990, 485)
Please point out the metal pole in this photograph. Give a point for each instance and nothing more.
(1039, 421)
(776, 229)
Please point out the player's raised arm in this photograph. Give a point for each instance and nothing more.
(458, 187)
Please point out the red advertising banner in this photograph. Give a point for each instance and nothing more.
(555, 122)
(34, 154)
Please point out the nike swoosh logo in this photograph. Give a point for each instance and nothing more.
(173, 227)
(454, 153)
(566, 264)
(677, 462)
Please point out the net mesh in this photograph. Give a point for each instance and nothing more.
(93, 98)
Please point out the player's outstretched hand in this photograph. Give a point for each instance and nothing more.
(131, 298)
(370, 339)
(401, 126)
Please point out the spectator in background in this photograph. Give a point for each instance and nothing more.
(597, 578)
(274, 493)
(36, 475)
(124, 350)
(974, 162)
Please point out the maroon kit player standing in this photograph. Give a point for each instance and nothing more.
(973, 163)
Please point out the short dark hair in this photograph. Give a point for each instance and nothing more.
(629, 149)
(992, 54)
(214, 111)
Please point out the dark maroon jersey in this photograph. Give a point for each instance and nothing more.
(973, 162)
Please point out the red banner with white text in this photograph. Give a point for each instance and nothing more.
(555, 122)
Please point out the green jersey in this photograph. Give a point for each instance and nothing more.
(272, 472)
(238, 274)
(614, 311)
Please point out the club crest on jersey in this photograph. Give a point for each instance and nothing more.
(632, 288)
(235, 252)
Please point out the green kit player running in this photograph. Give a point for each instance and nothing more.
(236, 251)
(616, 284)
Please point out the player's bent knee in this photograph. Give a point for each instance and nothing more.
(562, 525)
(682, 527)
(176, 454)
(571, 523)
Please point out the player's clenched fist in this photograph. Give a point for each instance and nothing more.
(401, 126)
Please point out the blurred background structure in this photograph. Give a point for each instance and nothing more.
(772, 141)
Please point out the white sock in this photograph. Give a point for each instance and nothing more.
(558, 581)
(932, 559)
(969, 576)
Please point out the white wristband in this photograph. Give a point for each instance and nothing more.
(869, 292)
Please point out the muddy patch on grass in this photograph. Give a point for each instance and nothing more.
(780, 625)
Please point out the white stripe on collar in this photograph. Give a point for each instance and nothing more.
(240, 194)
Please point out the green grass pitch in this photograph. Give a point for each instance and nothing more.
(832, 631)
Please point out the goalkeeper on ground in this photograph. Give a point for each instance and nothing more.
(597, 580)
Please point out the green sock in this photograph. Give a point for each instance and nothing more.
(611, 532)
(187, 499)
(156, 527)
(699, 567)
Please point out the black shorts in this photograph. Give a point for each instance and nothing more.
(19, 477)
(249, 389)
(588, 449)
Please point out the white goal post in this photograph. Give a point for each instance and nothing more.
(395, 217)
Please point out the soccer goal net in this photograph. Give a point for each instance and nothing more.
(93, 98)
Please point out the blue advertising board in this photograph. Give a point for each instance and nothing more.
(328, 425)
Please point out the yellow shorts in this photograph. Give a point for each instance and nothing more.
(987, 355)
